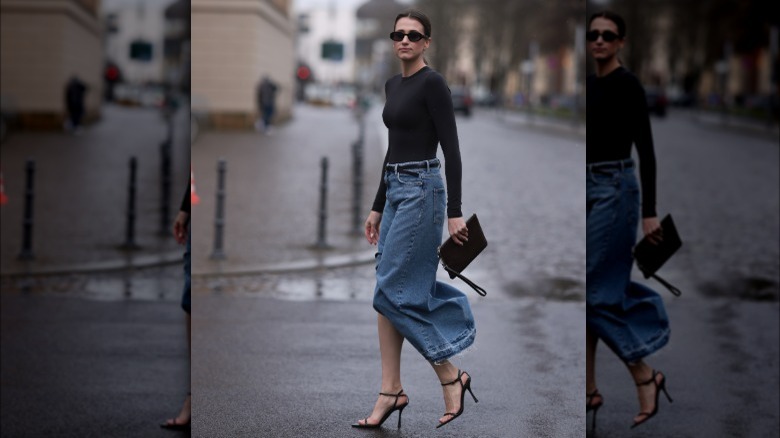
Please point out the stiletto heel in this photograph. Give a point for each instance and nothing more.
(590, 405)
(396, 407)
(463, 388)
(658, 388)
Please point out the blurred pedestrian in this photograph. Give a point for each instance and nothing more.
(266, 103)
(74, 103)
(629, 317)
(406, 222)
(182, 235)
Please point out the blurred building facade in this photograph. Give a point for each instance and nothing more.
(233, 45)
(176, 46)
(134, 38)
(374, 58)
(43, 45)
(326, 42)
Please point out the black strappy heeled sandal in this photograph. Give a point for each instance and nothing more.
(463, 388)
(658, 388)
(396, 407)
(590, 405)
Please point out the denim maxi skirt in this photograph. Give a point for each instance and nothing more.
(433, 316)
(629, 317)
(186, 291)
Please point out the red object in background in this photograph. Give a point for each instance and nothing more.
(194, 199)
(112, 73)
(3, 197)
(303, 73)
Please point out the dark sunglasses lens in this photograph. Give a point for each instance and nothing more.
(415, 36)
(396, 36)
(609, 36)
(592, 36)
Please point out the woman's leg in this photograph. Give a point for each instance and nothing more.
(447, 372)
(186, 409)
(390, 343)
(591, 341)
(642, 372)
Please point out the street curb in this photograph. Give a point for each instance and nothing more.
(130, 262)
(329, 262)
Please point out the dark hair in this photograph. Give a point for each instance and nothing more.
(613, 17)
(416, 15)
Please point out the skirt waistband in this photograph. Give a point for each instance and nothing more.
(621, 165)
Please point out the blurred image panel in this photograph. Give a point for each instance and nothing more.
(94, 163)
(710, 72)
(287, 102)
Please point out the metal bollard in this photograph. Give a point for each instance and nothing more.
(165, 178)
(130, 223)
(323, 216)
(219, 220)
(27, 223)
(357, 187)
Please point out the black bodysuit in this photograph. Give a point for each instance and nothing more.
(419, 115)
(617, 117)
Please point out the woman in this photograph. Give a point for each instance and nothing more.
(628, 317)
(405, 223)
(182, 235)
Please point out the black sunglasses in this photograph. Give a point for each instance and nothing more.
(608, 36)
(414, 36)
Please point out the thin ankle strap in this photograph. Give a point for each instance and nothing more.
(460, 374)
(651, 380)
(400, 393)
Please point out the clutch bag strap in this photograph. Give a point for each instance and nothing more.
(668, 285)
(473, 285)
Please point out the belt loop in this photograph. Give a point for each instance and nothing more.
(395, 168)
(428, 165)
(622, 165)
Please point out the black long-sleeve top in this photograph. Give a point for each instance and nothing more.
(185, 203)
(418, 114)
(617, 117)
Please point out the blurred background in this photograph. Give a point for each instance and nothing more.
(94, 161)
(715, 55)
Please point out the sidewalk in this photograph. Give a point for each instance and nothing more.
(81, 193)
(272, 186)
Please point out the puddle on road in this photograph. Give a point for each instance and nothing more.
(159, 284)
(747, 288)
(550, 288)
(296, 287)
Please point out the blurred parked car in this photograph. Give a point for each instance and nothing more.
(461, 100)
(656, 101)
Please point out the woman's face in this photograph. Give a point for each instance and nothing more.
(600, 49)
(407, 50)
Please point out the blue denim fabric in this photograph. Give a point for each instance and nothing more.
(434, 317)
(629, 317)
(186, 296)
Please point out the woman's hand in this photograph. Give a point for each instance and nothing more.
(372, 227)
(180, 227)
(652, 229)
(458, 230)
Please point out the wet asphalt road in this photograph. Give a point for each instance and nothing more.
(99, 367)
(276, 368)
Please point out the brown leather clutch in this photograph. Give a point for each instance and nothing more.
(455, 258)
